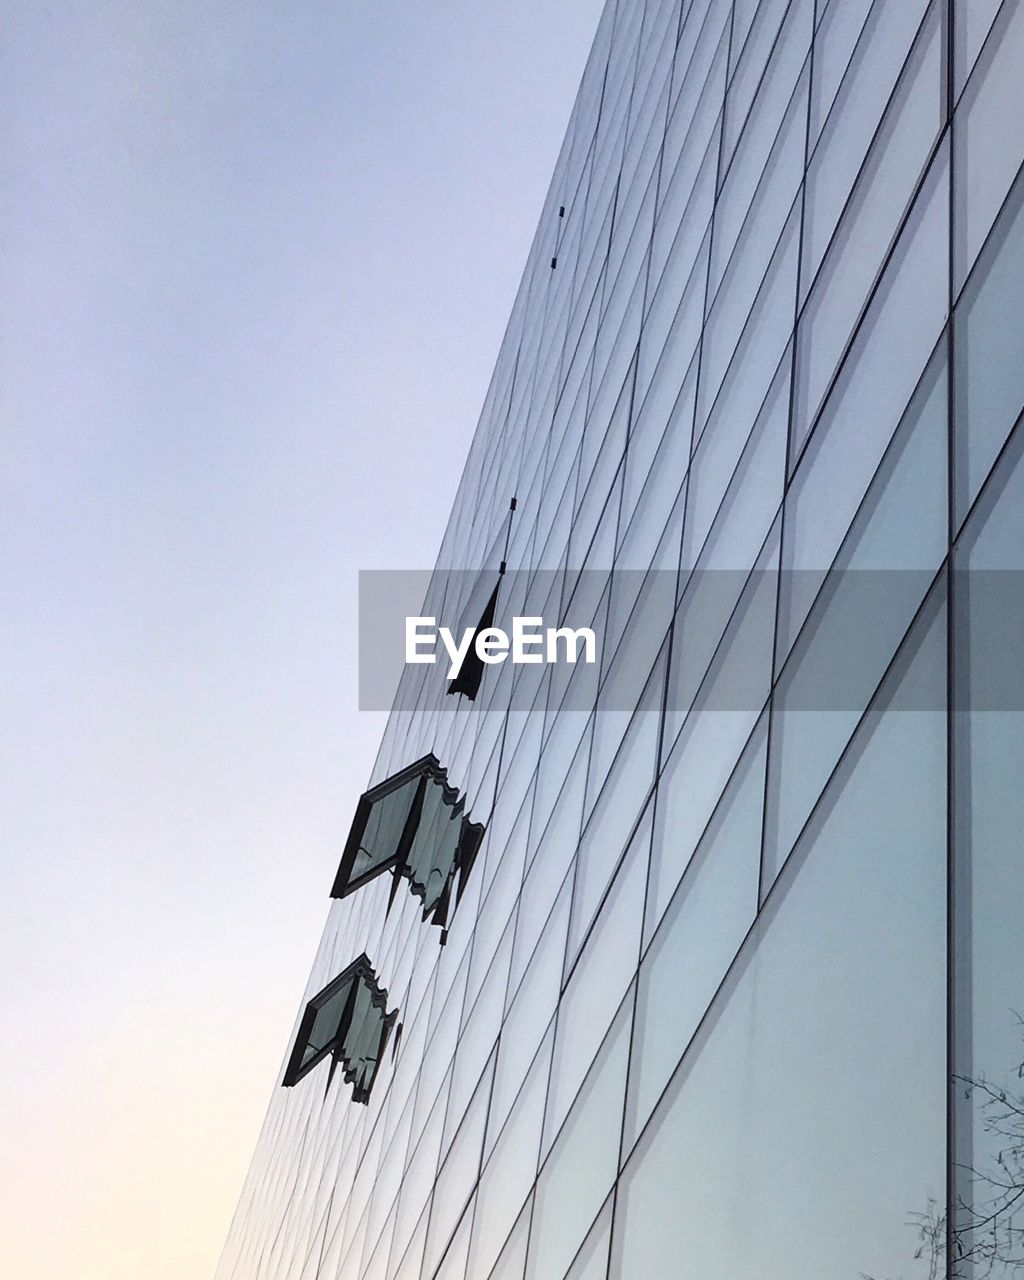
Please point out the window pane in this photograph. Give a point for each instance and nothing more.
(581, 1167)
(868, 601)
(701, 932)
(786, 1128)
(530, 1013)
(971, 24)
(454, 1265)
(858, 108)
(989, 142)
(511, 1169)
(989, 329)
(511, 1264)
(868, 225)
(837, 35)
(605, 969)
(591, 1263)
(989, 801)
(713, 737)
(871, 396)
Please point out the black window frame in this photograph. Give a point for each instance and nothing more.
(430, 772)
(360, 971)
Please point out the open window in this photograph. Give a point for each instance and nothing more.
(480, 609)
(414, 825)
(349, 1022)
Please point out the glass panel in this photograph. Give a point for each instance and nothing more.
(592, 1260)
(511, 1169)
(989, 800)
(764, 48)
(972, 21)
(530, 1013)
(989, 345)
(454, 1265)
(548, 870)
(384, 829)
(867, 403)
(855, 116)
(701, 932)
(752, 499)
(837, 34)
(605, 969)
(511, 1264)
(376, 1267)
(414, 1198)
(816, 1091)
(751, 373)
(868, 601)
(987, 135)
(868, 225)
(327, 1022)
(713, 736)
(365, 1039)
(432, 855)
(479, 1032)
(759, 135)
(457, 1176)
(618, 807)
(581, 1167)
(750, 263)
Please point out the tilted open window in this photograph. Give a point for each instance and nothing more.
(479, 611)
(414, 825)
(349, 1021)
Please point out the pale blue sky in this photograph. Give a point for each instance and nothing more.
(256, 262)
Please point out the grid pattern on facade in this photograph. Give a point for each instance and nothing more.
(733, 986)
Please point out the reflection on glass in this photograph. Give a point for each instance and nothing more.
(865, 604)
(810, 1113)
(696, 941)
(989, 888)
(989, 345)
(581, 1167)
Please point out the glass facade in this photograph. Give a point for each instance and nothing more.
(732, 989)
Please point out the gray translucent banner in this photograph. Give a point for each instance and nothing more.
(838, 633)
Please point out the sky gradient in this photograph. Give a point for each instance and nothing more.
(256, 263)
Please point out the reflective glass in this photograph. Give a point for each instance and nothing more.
(691, 1012)
(529, 1014)
(605, 969)
(591, 1263)
(786, 1112)
(877, 60)
(989, 145)
(511, 1168)
(707, 919)
(867, 602)
(581, 1167)
(989, 809)
(972, 22)
(870, 396)
(989, 346)
(711, 739)
(512, 1262)
(839, 29)
(456, 1177)
(869, 223)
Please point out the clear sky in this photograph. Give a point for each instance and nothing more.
(256, 259)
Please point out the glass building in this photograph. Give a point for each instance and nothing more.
(708, 959)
